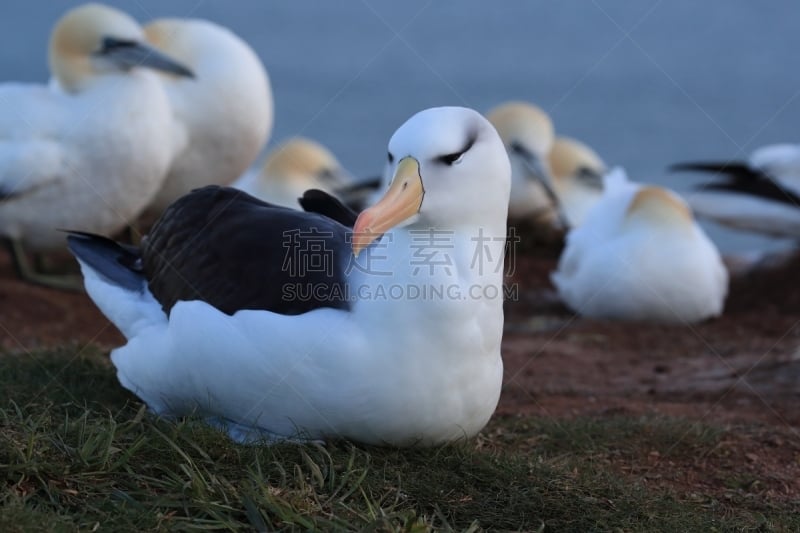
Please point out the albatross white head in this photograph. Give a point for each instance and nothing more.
(93, 39)
(450, 171)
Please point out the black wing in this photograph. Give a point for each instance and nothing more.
(233, 251)
(119, 263)
(734, 169)
(317, 201)
(741, 178)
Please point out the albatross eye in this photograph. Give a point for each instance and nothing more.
(451, 159)
(456, 157)
(391, 158)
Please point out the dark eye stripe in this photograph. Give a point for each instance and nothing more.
(520, 149)
(111, 43)
(449, 159)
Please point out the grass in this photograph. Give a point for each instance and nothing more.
(77, 452)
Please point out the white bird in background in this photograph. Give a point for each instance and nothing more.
(226, 113)
(760, 195)
(528, 134)
(211, 331)
(291, 169)
(640, 256)
(577, 172)
(91, 155)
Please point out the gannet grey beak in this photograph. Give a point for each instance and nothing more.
(402, 201)
(128, 54)
(537, 171)
(360, 186)
(533, 163)
(337, 179)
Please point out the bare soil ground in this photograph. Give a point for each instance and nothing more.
(740, 371)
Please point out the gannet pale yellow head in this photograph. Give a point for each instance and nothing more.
(194, 42)
(94, 39)
(570, 158)
(527, 133)
(524, 124)
(578, 178)
(449, 170)
(171, 37)
(658, 206)
(306, 164)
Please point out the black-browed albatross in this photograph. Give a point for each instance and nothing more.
(226, 319)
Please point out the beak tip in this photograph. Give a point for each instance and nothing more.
(358, 245)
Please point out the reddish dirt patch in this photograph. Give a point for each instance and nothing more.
(741, 370)
(744, 365)
(35, 317)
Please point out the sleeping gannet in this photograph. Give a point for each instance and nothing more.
(639, 255)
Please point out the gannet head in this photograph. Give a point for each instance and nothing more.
(527, 133)
(305, 164)
(526, 130)
(94, 39)
(571, 159)
(657, 207)
(202, 45)
(449, 171)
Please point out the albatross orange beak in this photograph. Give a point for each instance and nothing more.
(402, 201)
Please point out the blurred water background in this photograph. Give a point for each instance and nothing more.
(646, 83)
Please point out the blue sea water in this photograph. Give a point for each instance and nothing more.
(646, 83)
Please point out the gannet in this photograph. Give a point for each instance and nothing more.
(292, 168)
(226, 113)
(276, 324)
(528, 134)
(760, 195)
(92, 154)
(577, 172)
(639, 255)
